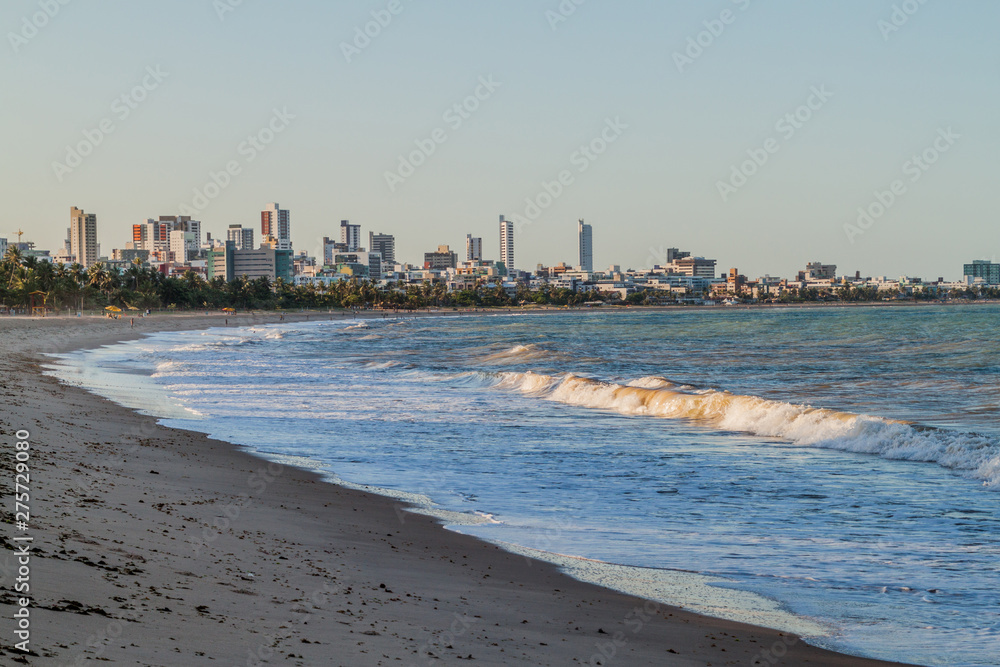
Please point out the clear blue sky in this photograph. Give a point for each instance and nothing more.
(656, 186)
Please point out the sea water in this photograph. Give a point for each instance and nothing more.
(834, 472)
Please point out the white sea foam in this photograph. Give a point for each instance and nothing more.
(975, 455)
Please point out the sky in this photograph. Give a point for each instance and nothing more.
(763, 134)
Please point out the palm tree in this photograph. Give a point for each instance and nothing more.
(12, 261)
(99, 278)
(134, 272)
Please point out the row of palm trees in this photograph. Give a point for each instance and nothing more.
(24, 278)
(141, 287)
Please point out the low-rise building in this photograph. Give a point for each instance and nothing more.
(230, 263)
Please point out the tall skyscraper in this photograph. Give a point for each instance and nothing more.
(350, 235)
(385, 245)
(83, 237)
(241, 236)
(586, 233)
(276, 222)
(473, 248)
(507, 243)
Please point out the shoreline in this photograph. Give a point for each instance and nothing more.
(221, 554)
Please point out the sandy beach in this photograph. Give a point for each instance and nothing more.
(153, 546)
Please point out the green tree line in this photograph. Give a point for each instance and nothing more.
(72, 287)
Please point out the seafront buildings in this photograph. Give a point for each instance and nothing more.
(241, 237)
(473, 248)
(276, 227)
(385, 245)
(586, 238)
(229, 262)
(350, 235)
(988, 272)
(174, 245)
(507, 243)
(83, 237)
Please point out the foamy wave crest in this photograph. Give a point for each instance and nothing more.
(975, 455)
(522, 353)
(528, 383)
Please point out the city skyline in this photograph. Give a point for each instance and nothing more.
(182, 237)
(868, 143)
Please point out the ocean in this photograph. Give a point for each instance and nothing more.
(834, 472)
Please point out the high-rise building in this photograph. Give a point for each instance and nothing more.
(276, 221)
(818, 271)
(350, 235)
(182, 223)
(150, 235)
(362, 263)
(473, 248)
(444, 258)
(586, 234)
(242, 237)
(154, 235)
(330, 250)
(83, 237)
(988, 271)
(183, 245)
(385, 245)
(507, 243)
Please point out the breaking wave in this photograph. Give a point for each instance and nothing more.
(975, 455)
(521, 354)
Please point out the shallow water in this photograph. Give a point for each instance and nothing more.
(830, 471)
